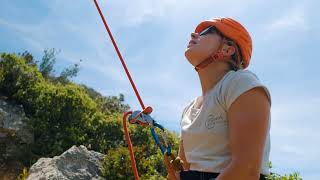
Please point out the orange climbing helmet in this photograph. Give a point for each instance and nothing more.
(234, 31)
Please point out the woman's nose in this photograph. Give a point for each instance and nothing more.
(194, 35)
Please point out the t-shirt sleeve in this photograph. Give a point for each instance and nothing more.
(185, 109)
(181, 119)
(238, 85)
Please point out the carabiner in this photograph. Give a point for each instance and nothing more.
(144, 118)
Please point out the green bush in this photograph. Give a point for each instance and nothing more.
(275, 176)
(16, 77)
(61, 114)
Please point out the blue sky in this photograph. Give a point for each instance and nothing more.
(152, 36)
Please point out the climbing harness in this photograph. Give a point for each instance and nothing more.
(141, 117)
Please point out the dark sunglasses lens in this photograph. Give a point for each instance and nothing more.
(206, 31)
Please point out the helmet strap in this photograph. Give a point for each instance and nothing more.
(219, 55)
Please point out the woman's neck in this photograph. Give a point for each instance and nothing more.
(211, 75)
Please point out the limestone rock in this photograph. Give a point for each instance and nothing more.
(76, 163)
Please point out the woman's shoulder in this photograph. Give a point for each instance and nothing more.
(238, 79)
(240, 75)
(236, 83)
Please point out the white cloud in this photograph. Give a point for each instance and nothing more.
(134, 13)
(143, 10)
(50, 31)
(25, 32)
(294, 133)
(294, 19)
(297, 118)
(294, 150)
(297, 107)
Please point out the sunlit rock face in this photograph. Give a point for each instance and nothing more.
(76, 163)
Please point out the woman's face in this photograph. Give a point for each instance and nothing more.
(202, 47)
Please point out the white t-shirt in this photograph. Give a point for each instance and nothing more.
(205, 131)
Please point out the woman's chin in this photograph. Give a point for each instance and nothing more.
(191, 52)
(187, 53)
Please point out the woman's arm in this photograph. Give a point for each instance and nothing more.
(181, 154)
(248, 118)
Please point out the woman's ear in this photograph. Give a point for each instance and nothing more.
(228, 50)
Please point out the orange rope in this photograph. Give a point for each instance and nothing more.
(133, 162)
(119, 54)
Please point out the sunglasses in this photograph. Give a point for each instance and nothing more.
(209, 30)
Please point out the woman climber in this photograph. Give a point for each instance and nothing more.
(225, 131)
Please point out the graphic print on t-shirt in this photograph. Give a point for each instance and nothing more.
(215, 121)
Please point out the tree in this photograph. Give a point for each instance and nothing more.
(28, 58)
(47, 62)
(46, 67)
(69, 73)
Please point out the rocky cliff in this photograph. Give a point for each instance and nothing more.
(15, 139)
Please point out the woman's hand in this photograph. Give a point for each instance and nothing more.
(175, 165)
(172, 173)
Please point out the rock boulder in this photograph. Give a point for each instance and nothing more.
(77, 163)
